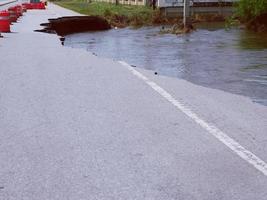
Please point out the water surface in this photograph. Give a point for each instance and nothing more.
(231, 60)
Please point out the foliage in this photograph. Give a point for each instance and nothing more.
(248, 9)
(118, 15)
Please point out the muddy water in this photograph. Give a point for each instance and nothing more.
(231, 60)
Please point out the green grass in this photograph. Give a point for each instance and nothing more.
(116, 14)
(248, 9)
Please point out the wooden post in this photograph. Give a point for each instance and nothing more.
(186, 12)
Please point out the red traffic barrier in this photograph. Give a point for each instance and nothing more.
(12, 14)
(4, 22)
(18, 9)
(24, 9)
(42, 5)
(39, 5)
(36, 5)
(28, 6)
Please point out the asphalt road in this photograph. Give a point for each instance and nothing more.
(75, 126)
(5, 4)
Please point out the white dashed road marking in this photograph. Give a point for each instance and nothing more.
(248, 156)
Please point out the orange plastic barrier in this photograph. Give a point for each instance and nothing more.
(19, 11)
(4, 21)
(13, 14)
(40, 5)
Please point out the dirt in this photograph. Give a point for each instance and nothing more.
(178, 29)
(258, 24)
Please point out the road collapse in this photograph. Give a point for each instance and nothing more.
(75, 24)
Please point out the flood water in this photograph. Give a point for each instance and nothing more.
(231, 60)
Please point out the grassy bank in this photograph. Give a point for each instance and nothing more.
(131, 15)
(117, 15)
(253, 13)
(249, 9)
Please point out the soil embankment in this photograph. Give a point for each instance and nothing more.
(259, 23)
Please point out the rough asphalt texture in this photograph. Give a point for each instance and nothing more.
(77, 127)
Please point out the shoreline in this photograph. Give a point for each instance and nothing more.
(145, 16)
(138, 16)
(258, 24)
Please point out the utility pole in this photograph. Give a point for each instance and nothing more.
(186, 12)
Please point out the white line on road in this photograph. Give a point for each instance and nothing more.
(248, 156)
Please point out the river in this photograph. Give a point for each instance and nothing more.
(231, 60)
